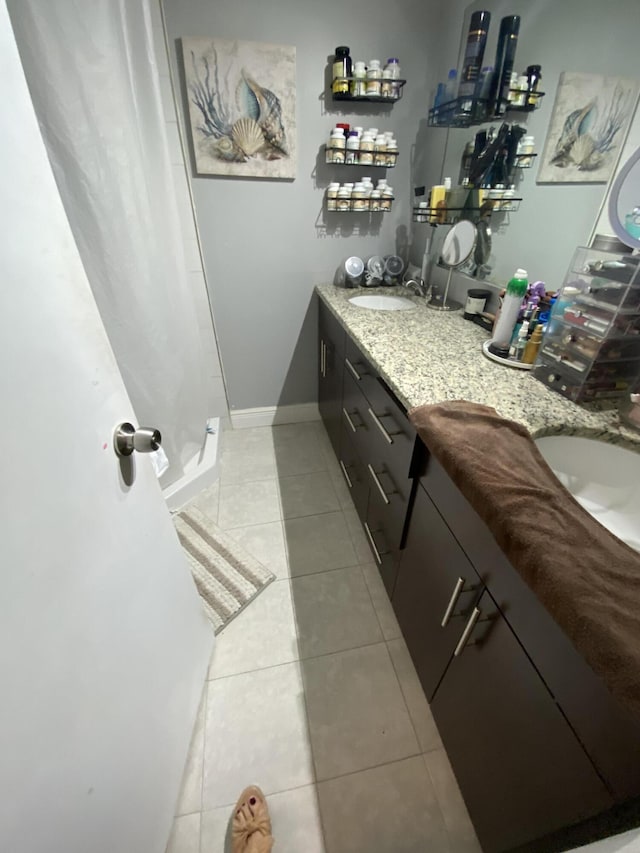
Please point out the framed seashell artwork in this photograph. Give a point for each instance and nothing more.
(588, 127)
(242, 107)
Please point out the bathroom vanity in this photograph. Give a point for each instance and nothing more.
(543, 753)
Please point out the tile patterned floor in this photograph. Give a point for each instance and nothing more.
(312, 693)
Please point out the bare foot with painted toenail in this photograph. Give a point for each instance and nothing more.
(251, 824)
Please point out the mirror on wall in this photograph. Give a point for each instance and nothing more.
(624, 203)
(541, 233)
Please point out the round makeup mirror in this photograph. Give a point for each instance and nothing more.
(624, 203)
(457, 248)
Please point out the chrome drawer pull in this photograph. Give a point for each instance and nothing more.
(375, 479)
(471, 624)
(354, 372)
(344, 473)
(349, 421)
(378, 423)
(373, 544)
(452, 602)
(323, 363)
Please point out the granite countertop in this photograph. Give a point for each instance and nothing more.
(428, 356)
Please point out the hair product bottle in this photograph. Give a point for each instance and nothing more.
(474, 54)
(503, 66)
(511, 305)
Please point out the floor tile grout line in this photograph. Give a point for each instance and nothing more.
(375, 609)
(413, 726)
(328, 571)
(351, 773)
(300, 660)
(283, 519)
(437, 796)
(204, 752)
(312, 752)
(372, 767)
(295, 620)
(302, 680)
(313, 784)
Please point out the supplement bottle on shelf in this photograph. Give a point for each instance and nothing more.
(341, 71)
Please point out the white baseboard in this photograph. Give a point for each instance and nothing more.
(200, 472)
(270, 415)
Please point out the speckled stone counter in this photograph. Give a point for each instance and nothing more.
(427, 357)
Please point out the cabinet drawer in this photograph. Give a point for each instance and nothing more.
(381, 544)
(354, 471)
(355, 419)
(358, 365)
(389, 493)
(362, 371)
(389, 431)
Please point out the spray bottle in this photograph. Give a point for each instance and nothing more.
(511, 305)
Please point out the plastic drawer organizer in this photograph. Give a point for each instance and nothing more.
(591, 349)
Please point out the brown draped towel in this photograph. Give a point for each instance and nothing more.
(587, 578)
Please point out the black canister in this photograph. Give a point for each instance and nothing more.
(476, 301)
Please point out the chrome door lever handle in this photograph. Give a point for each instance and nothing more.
(126, 439)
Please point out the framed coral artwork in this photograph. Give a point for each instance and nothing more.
(242, 107)
(589, 124)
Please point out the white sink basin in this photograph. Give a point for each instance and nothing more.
(383, 303)
(603, 478)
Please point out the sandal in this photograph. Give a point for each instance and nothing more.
(251, 824)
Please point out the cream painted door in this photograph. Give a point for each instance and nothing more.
(103, 645)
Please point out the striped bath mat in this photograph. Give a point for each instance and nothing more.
(226, 576)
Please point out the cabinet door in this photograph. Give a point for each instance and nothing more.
(521, 769)
(331, 343)
(436, 584)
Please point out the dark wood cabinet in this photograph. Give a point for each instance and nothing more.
(331, 345)
(522, 771)
(541, 750)
(520, 767)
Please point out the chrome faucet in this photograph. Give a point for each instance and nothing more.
(416, 285)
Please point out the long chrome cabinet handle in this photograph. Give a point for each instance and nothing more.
(322, 359)
(352, 426)
(344, 473)
(462, 642)
(452, 602)
(373, 544)
(379, 424)
(352, 369)
(375, 479)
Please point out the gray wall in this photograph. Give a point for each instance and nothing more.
(575, 35)
(264, 242)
